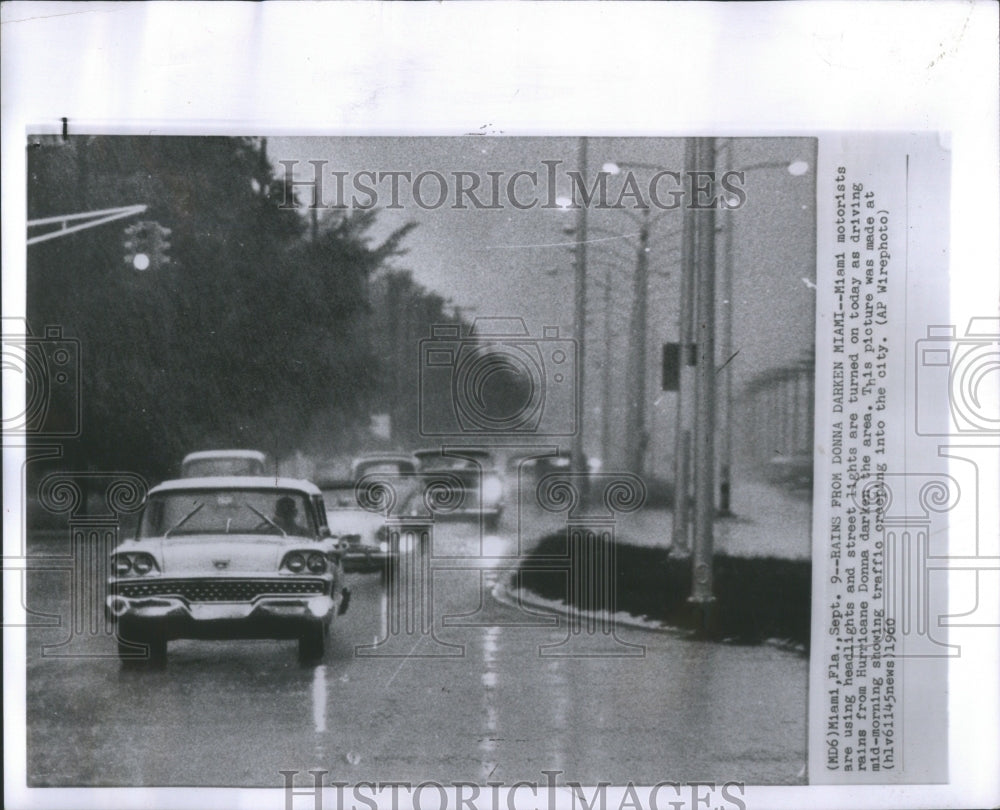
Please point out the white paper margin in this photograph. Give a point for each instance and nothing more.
(526, 68)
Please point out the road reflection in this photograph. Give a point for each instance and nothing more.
(319, 699)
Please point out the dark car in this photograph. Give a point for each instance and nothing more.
(481, 489)
(398, 464)
(206, 463)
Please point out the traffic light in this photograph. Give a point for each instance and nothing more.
(146, 245)
(671, 376)
(673, 358)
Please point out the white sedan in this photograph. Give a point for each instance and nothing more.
(227, 557)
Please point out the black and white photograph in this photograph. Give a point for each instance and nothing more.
(416, 452)
(366, 447)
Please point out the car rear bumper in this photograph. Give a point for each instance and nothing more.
(367, 560)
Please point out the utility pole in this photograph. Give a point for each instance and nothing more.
(704, 445)
(682, 433)
(635, 422)
(725, 465)
(314, 216)
(579, 461)
(606, 382)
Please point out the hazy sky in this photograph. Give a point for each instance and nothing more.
(519, 263)
(511, 262)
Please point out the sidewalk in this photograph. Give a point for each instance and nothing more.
(761, 572)
(768, 522)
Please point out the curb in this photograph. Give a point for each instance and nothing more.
(502, 594)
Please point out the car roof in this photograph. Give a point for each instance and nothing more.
(368, 457)
(237, 482)
(453, 452)
(200, 454)
(405, 465)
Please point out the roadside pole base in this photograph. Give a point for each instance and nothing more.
(703, 617)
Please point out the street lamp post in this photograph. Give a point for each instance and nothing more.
(636, 434)
(636, 367)
(606, 368)
(606, 383)
(635, 421)
(702, 591)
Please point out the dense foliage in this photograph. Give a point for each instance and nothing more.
(254, 334)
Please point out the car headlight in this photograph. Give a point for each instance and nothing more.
(316, 563)
(133, 563)
(142, 564)
(294, 562)
(383, 547)
(492, 489)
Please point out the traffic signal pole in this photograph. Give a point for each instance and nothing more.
(87, 219)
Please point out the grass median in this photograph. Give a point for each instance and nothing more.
(757, 599)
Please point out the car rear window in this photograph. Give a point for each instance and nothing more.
(209, 467)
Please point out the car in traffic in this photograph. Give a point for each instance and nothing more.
(223, 558)
(398, 464)
(206, 463)
(362, 533)
(480, 489)
(368, 545)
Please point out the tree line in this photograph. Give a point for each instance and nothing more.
(259, 332)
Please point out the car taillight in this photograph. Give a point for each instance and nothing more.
(122, 565)
(295, 562)
(316, 563)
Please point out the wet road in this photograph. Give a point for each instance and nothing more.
(492, 692)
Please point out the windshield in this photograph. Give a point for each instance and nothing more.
(208, 467)
(227, 511)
